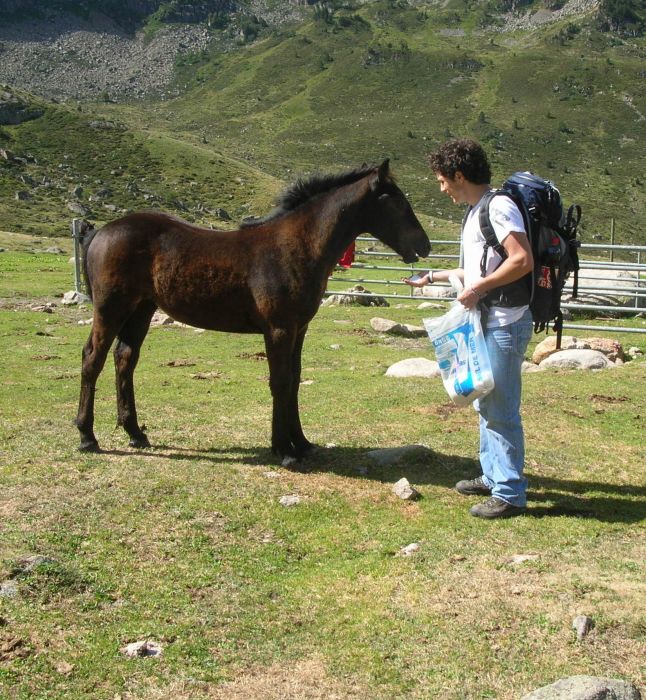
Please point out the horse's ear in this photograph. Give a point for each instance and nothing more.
(381, 175)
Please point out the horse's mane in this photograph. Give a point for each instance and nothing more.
(303, 190)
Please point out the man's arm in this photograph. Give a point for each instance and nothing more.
(517, 264)
(435, 276)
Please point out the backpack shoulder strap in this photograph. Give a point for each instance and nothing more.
(572, 219)
(464, 221)
(491, 240)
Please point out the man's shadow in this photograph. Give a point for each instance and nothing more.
(547, 496)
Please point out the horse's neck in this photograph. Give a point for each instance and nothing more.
(338, 224)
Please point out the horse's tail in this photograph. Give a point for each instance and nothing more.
(87, 239)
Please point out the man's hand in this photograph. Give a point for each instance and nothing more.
(416, 280)
(468, 298)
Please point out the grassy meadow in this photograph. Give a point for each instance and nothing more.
(187, 543)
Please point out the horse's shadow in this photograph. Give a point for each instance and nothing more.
(547, 497)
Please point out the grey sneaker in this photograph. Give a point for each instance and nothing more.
(495, 507)
(473, 487)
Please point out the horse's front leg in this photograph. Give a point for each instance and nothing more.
(280, 343)
(301, 444)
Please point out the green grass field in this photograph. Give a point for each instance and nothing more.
(187, 543)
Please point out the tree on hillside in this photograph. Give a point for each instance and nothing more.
(626, 17)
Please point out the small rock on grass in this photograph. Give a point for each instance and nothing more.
(289, 501)
(408, 550)
(582, 624)
(521, 558)
(384, 325)
(576, 359)
(586, 688)
(64, 668)
(414, 367)
(144, 647)
(8, 589)
(74, 297)
(402, 489)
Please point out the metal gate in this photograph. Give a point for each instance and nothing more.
(632, 290)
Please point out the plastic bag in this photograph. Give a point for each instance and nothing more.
(461, 353)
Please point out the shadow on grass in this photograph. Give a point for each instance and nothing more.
(548, 496)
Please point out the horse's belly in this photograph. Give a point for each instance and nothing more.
(213, 316)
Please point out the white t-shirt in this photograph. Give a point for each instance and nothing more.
(505, 217)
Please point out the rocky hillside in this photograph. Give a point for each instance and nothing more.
(120, 50)
(67, 57)
(131, 49)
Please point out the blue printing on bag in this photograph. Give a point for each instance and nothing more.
(467, 371)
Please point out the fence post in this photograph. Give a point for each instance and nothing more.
(76, 237)
(639, 280)
(612, 239)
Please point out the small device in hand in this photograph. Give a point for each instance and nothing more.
(415, 278)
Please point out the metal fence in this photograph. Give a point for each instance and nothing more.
(77, 238)
(631, 290)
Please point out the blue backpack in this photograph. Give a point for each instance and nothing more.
(554, 243)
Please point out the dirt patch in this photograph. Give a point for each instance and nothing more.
(442, 410)
(178, 363)
(304, 680)
(608, 399)
(252, 356)
(12, 648)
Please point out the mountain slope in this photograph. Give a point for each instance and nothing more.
(67, 163)
(567, 103)
(352, 84)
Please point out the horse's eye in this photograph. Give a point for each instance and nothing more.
(383, 196)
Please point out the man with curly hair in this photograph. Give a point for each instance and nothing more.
(463, 172)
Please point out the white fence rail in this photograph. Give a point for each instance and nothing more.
(631, 289)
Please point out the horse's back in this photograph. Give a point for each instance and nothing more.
(139, 240)
(196, 275)
(147, 228)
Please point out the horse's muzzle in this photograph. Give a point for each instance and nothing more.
(421, 251)
(425, 249)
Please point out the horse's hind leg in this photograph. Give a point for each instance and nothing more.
(126, 355)
(94, 354)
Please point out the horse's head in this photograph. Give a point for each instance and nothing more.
(391, 217)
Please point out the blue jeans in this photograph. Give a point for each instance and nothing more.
(502, 441)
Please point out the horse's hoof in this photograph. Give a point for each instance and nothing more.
(90, 446)
(288, 461)
(308, 449)
(141, 443)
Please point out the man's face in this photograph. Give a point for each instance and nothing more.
(452, 186)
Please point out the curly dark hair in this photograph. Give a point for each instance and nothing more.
(463, 155)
